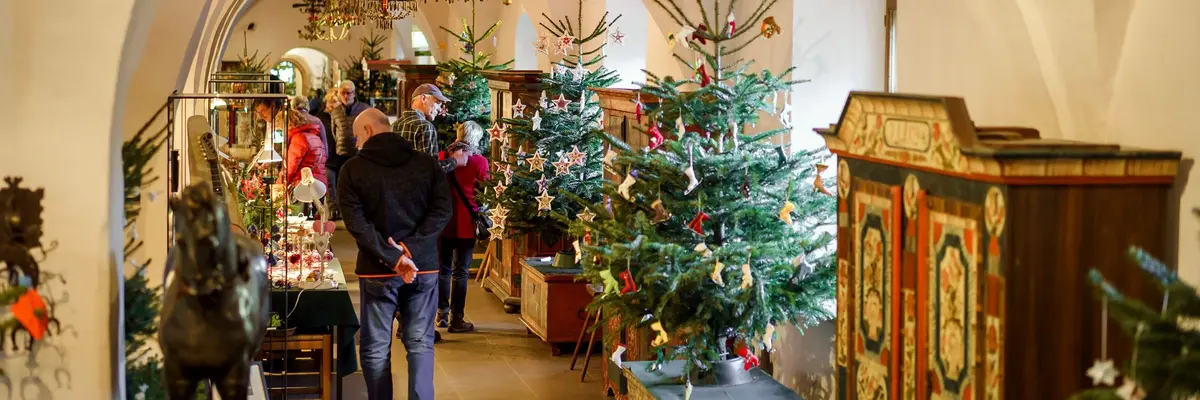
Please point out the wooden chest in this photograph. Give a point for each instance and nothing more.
(963, 251)
(553, 303)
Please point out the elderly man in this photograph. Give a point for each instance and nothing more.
(416, 125)
(395, 202)
(343, 107)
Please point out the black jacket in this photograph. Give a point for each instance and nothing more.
(390, 190)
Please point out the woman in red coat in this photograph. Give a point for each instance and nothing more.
(306, 143)
(457, 246)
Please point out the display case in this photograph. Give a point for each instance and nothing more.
(963, 251)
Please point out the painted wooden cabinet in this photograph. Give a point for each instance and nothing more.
(963, 251)
(554, 303)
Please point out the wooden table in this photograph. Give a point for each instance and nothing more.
(667, 384)
(322, 312)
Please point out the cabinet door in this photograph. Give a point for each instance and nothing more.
(948, 292)
(868, 292)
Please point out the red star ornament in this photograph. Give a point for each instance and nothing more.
(698, 221)
(561, 102)
(496, 132)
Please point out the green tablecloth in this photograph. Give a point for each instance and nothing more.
(323, 308)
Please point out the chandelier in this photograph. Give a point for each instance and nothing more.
(332, 19)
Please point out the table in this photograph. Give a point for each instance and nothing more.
(322, 308)
(554, 302)
(666, 384)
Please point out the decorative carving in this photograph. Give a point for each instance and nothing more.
(911, 187)
(843, 179)
(994, 211)
(215, 309)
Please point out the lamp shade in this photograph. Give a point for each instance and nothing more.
(268, 154)
(218, 103)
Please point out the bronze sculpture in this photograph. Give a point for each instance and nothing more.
(214, 312)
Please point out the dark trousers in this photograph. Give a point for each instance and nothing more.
(331, 194)
(416, 303)
(454, 257)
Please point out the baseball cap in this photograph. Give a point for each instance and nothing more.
(432, 90)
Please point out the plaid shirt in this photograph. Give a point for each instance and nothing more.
(420, 133)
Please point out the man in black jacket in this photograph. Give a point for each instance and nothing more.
(395, 202)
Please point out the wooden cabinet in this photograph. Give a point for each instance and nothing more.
(553, 303)
(505, 280)
(963, 251)
(410, 76)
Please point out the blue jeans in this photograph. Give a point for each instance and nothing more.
(416, 302)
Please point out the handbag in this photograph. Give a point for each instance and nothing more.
(481, 224)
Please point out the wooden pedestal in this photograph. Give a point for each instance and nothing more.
(553, 303)
(319, 348)
(666, 383)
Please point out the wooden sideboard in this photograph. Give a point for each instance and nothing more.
(554, 304)
(963, 252)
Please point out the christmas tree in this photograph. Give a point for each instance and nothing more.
(464, 84)
(1166, 358)
(554, 147)
(370, 84)
(143, 368)
(715, 236)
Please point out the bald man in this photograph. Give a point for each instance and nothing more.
(395, 202)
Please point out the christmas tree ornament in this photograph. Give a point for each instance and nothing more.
(496, 231)
(687, 389)
(690, 173)
(504, 151)
(616, 355)
(768, 338)
(704, 78)
(568, 42)
(586, 215)
(618, 37)
(543, 102)
(562, 50)
(662, 337)
(542, 183)
(684, 34)
(500, 188)
(732, 23)
(578, 251)
(785, 213)
(660, 213)
(561, 102)
(499, 212)
(818, 182)
(716, 273)
(609, 156)
(628, 285)
(541, 46)
(544, 200)
(366, 70)
(1130, 390)
(747, 278)
(521, 154)
(496, 132)
(698, 34)
(518, 110)
(697, 224)
(576, 156)
(751, 359)
(579, 72)
(536, 163)
(1103, 372)
(638, 107)
(610, 284)
(623, 190)
(770, 28)
(537, 120)
(671, 41)
(679, 128)
(562, 166)
(558, 70)
(656, 136)
(785, 116)
(450, 79)
(703, 249)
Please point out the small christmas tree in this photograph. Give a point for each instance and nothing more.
(370, 84)
(143, 368)
(554, 147)
(464, 83)
(715, 236)
(1166, 354)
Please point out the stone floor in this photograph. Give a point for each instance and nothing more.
(498, 361)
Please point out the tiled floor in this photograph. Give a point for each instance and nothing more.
(498, 361)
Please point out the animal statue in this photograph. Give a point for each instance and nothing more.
(215, 309)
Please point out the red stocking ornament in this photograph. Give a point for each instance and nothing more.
(698, 221)
(656, 137)
(627, 279)
(751, 359)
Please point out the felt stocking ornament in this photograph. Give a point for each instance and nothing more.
(747, 278)
(690, 173)
(610, 284)
(697, 35)
(732, 23)
(662, 337)
(751, 359)
(656, 136)
(818, 182)
(703, 250)
(660, 214)
(637, 107)
(616, 355)
(716, 273)
(786, 212)
(698, 221)
(623, 190)
(769, 338)
(627, 279)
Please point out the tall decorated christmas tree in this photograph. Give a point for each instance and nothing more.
(464, 84)
(1165, 363)
(554, 147)
(715, 236)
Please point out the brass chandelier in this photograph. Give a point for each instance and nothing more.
(332, 19)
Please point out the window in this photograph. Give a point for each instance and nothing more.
(287, 72)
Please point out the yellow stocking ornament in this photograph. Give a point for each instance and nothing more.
(662, 334)
(769, 338)
(786, 212)
(747, 279)
(716, 273)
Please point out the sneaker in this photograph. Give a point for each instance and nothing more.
(443, 319)
(458, 325)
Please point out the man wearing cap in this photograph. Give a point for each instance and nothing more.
(416, 125)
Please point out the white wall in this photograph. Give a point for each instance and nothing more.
(525, 55)
(314, 64)
(72, 149)
(1115, 71)
(275, 31)
(629, 59)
